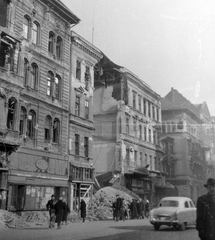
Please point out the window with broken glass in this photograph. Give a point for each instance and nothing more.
(12, 103)
(31, 122)
(56, 130)
(48, 122)
(78, 69)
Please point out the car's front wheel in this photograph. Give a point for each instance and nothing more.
(182, 227)
(156, 227)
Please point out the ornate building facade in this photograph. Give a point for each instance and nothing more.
(35, 67)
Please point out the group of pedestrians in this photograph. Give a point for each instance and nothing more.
(58, 211)
(136, 209)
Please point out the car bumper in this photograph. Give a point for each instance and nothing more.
(164, 222)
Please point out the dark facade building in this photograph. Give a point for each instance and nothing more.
(35, 68)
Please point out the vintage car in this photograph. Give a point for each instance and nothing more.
(178, 212)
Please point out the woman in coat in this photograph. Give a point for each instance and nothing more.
(66, 211)
(83, 209)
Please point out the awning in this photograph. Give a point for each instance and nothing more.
(143, 172)
(166, 185)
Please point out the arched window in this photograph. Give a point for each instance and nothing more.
(26, 27)
(31, 124)
(57, 84)
(11, 113)
(48, 122)
(51, 42)
(59, 47)
(26, 68)
(22, 121)
(50, 80)
(56, 131)
(34, 76)
(35, 33)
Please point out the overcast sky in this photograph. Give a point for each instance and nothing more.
(166, 43)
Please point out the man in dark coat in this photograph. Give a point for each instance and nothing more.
(205, 220)
(59, 209)
(51, 207)
(83, 209)
(118, 207)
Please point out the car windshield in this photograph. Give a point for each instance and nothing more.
(169, 203)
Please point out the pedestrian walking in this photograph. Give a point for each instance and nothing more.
(59, 209)
(83, 209)
(118, 207)
(114, 209)
(51, 208)
(66, 211)
(205, 220)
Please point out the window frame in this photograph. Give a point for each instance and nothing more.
(77, 144)
(77, 105)
(47, 129)
(56, 131)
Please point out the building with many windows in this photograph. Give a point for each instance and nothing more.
(84, 57)
(127, 117)
(187, 145)
(35, 69)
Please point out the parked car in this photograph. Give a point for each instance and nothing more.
(178, 212)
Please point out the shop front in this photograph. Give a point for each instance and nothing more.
(28, 193)
(81, 185)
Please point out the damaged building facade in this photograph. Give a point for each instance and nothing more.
(127, 119)
(84, 57)
(34, 95)
(188, 139)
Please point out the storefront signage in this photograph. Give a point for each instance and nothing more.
(42, 164)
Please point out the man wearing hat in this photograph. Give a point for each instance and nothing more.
(205, 220)
(51, 207)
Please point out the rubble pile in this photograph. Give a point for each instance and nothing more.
(101, 207)
(11, 220)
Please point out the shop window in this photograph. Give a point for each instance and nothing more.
(59, 47)
(78, 69)
(11, 113)
(34, 76)
(31, 124)
(35, 33)
(86, 147)
(77, 106)
(48, 121)
(26, 27)
(22, 121)
(77, 143)
(51, 42)
(56, 131)
(57, 84)
(3, 13)
(86, 109)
